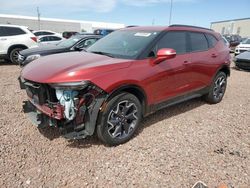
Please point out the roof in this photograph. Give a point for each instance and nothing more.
(240, 19)
(171, 27)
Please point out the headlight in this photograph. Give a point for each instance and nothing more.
(33, 57)
(70, 85)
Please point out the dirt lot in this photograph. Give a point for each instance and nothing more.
(175, 147)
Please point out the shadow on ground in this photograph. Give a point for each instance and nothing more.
(4, 62)
(148, 121)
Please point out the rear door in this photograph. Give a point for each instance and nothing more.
(202, 63)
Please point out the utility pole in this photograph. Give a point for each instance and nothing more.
(153, 21)
(38, 18)
(170, 14)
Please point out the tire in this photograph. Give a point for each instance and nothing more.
(13, 55)
(217, 89)
(120, 119)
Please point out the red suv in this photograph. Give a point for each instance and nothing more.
(124, 77)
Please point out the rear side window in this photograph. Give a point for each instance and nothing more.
(211, 40)
(55, 38)
(11, 31)
(47, 33)
(198, 42)
(175, 40)
(44, 39)
(40, 33)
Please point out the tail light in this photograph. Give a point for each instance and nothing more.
(34, 39)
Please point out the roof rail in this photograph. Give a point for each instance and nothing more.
(197, 27)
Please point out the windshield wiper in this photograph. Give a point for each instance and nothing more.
(102, 53)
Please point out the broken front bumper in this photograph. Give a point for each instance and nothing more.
(44, 113)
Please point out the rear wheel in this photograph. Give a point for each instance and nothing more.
(217, 89)
(120, 119)
(14, 55)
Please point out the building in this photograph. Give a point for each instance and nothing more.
(57, 25)
(236, 26)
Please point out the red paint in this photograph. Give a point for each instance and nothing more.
(160, 81)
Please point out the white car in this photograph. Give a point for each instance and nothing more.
(45, 32)
(14, 38)
(49, 39)
(242, 47)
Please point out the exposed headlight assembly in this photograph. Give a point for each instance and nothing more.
(33, 57)
(70, 85)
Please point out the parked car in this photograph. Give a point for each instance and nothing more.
(124, 77)
(75, 43)
(234, 40)
(103, 32)
(226, 42)
(13, 39)
(45, 32)
(68, 34)
(242, 47)
(242, 60)
(49, 39)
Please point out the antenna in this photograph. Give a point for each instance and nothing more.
(38, 18)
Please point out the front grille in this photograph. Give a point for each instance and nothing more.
(40, 93)
(36, 92)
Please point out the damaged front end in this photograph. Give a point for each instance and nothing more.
(72, 107)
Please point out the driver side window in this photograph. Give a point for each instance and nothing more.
(172, 39)
(86, 43)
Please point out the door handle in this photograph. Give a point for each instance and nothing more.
(186, 62)
(214, 55)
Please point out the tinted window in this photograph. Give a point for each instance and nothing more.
(44, 39)
(198, 42)
(47, 33)
(175, 40)
(2, 32)
(11, 31)
(54, 38)
(86, 43)
(38, 33)
(211, 40)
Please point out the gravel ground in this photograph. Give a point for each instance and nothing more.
(174, 147)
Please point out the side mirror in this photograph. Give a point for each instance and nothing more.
(164, 54)
(77, 48)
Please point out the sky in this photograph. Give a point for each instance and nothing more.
(132, 12)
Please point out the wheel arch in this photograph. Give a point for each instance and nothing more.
(135, 90)
(225, 69)
(16, 46)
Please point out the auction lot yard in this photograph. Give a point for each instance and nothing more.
(174, 147)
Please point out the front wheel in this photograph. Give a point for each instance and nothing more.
(217, 89)
(120, 119)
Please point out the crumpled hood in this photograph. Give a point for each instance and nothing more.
(71, 67)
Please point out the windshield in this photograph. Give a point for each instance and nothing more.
(247, 41)
(123, 44)
(69, 42)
